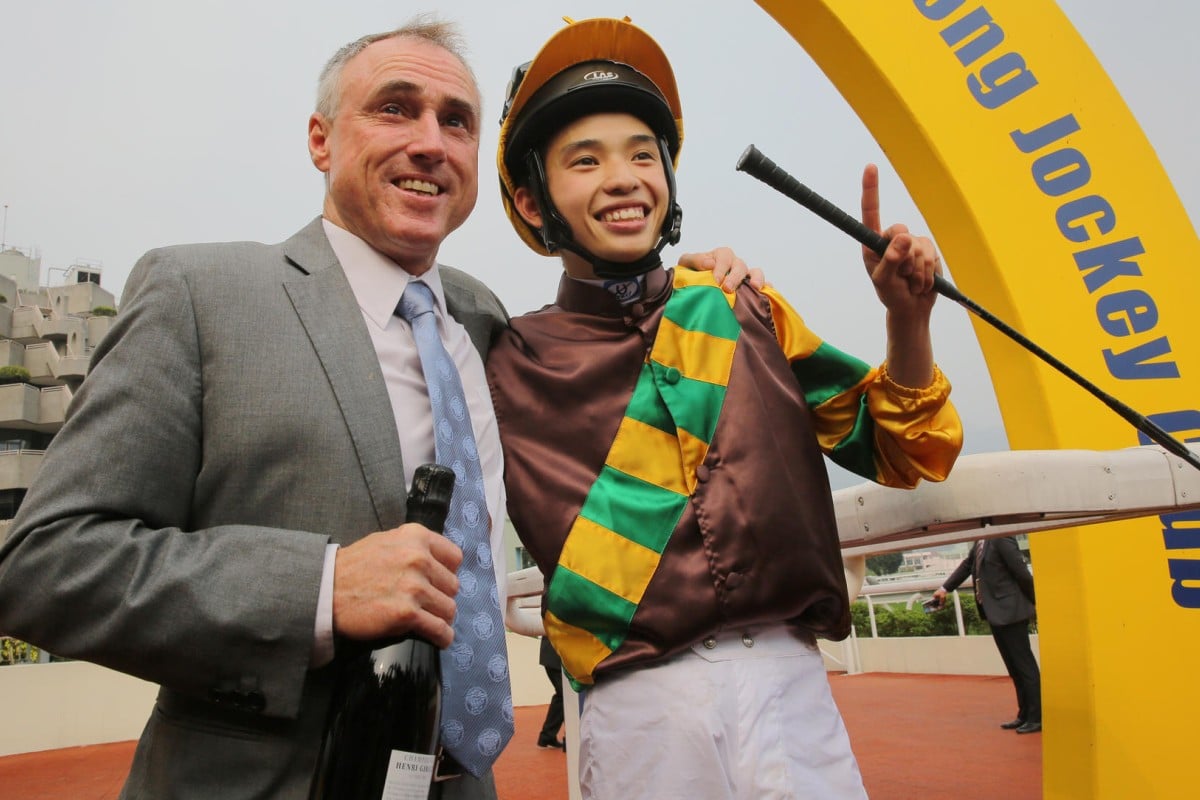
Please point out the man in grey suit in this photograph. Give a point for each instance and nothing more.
(236, 424)
(227, 497)
(1004, 596)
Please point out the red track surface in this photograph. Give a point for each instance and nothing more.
(913, 735)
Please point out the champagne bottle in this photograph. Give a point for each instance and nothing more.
(382, 734)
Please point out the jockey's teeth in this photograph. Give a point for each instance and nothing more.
(624, 213)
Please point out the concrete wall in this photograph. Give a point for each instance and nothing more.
(71, 703)
(930, 655)
(65, 704)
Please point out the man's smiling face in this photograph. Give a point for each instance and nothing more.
(401, 153)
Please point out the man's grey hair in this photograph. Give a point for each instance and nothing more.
(445, 35)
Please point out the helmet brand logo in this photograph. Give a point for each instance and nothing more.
(600, 75)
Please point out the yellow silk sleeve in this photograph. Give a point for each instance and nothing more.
(918, 434)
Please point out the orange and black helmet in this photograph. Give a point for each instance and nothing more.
(591, 66)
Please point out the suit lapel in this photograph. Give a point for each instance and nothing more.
(461, 303)
(330, 315)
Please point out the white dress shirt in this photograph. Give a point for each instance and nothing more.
(378, 284)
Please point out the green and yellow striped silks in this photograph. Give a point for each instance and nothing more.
(616, 542)
(834, 384)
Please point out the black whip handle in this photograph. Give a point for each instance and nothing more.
(757, 165)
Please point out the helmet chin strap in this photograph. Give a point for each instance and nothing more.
(556, 233)
(618, 269)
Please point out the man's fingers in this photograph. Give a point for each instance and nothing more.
(727, 269)
(434, 630)
(447, 554)
(738, 273)
(394, 583)
(697, 261)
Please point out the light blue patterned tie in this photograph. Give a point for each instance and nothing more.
(477, 714)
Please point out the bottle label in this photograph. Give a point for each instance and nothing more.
(409, 776)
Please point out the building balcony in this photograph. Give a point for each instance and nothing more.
(25, 407)
(25, 320)
(79, 298)
(47, 367)
(58, 329)
(17, 468)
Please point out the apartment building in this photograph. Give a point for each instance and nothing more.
(51, 332)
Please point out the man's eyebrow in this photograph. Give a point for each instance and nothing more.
(395, 87)
(399, 87)
(463, 106)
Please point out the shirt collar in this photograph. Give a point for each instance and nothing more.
(378, 282)
(589, 298)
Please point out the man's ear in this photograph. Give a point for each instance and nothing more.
(527, 207)
(318, 141)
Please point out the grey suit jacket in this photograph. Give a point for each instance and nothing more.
(233, 423)
(1004, 583)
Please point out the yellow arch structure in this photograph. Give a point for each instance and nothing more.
(1054, 213)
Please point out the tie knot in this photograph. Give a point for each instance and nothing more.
(417, 300)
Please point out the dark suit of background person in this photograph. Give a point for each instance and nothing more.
(1006, 600)
(234, 422)
(548, 658)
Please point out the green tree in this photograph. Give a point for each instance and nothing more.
(895, 620)
(13, 374)
(900, 621)
(945, 624)
(104, 311)
(860, 618)
(14, 651)
(885, 563)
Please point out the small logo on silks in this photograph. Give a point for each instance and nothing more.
(624, 289)
(601, 75)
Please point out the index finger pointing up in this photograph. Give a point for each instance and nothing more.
(870, 197)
